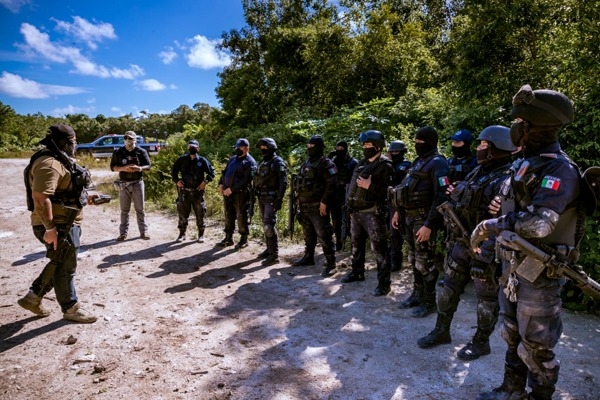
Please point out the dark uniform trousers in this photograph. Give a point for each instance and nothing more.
(236, 209)
(396, 241)
(421, 256)
(316, 228)
(188, 200)
(268, 214)
(370, 225)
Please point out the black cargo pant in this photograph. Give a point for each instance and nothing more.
(316, 227)
(370, 225)
(237, 209)
(187, 201)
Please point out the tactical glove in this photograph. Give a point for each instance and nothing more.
(483, 231)
(479, 269)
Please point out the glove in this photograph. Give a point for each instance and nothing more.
(277, 204)
(479, 269)
(482, 232)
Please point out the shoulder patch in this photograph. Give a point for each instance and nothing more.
(551, 182)
(443, 181)
(332, 170)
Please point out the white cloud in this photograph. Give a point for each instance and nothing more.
(205, 55)
(85, 31)
(72, 110)
(39, 43)
(16, 86)
(167, 56)
(14, 5)
(115, 109)
(151, 85)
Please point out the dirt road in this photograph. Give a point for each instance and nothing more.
(191, 321)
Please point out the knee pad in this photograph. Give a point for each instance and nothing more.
(269, 230)
(510, 332)
(446, 299)
(541, 362)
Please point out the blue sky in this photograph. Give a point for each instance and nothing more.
(112, 57)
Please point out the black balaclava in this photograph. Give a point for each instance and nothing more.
(317, 150)
(462, 151)
(492, 156)
(430, 136)
(63, 136)
(341, 154)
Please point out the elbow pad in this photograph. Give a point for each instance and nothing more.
(537, 224)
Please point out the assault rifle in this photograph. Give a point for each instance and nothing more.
(536, 260)
(292, 206)
(447, 210)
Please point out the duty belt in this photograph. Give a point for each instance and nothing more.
(368, 210)
(191, 189)
(311, 204)
(264, 193)
(415, 212)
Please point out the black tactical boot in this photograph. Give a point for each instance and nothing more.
(381, 290)
(354, 277)
(415, 297)
(479, 346)
(439, 335)
(181, 236)
(264, 254)
(512, 388)
(428, 304)
(271, 259)
(329, 268)
(307, 259)
(200, 235)
(228, 241)
(242, 243)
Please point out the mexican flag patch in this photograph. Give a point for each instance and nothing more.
(550, 182)
(443, 181)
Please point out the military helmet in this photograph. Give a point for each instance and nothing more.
(542, 107)
(397, 145)
(267, 141)
(374, 137)
(498, 135)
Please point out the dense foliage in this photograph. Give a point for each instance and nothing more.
(304, 67)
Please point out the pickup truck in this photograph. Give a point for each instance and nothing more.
(105, 145)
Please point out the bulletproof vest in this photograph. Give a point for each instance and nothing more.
(80, 180)
(359, 198)
(518, 190)
(405, 195)
(400, 170)
(266, 177)
(344, 171)
(458, 171)
(308, 184)
(467, 196)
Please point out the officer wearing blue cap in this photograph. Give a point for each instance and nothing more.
(463, 160)
(235, 187)
(191, 173)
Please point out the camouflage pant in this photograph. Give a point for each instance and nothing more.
(370, 225)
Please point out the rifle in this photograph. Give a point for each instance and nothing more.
(536, 260)
(292, 206)
(447, 210)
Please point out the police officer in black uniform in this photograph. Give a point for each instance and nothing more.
(345, 165)
(191, 173)
(270, 182)
(463, 159)
(396, 153)
(235, 185)
(540, 204)
(470, 200)
(314, 186)
(418, 195)
(367, 205)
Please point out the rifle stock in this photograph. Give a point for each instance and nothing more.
(574, 272)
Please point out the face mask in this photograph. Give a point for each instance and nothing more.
(462, 151)
(314, 152)
(265, 152)
(239, 152)
(423, 148)
(482, 156)
(370, 152)
(193, 150)
(397, 158)
(517, 133)
(341, 154)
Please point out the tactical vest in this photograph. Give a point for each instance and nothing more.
(400, 170)
(344, 172)
(80, 180)
(266, 177)
(359, 198)
(308, 185)
(404, 194)
(517, 194)
(458, 172)
(467, 196)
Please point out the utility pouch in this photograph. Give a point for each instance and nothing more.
(530, 268)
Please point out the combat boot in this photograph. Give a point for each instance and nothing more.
(200, 235)
(439, 335)
(33, 303)
(329, 268)
(479, 346)
(181, 236)
(354, 277)
(415, 297)
(228, 241)
(307, 259)
(270, 260)
(428, 304)
(512, 388)
(242, 243)
(263, 254)
(77, 314)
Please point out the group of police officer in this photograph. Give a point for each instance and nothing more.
(518, 180)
